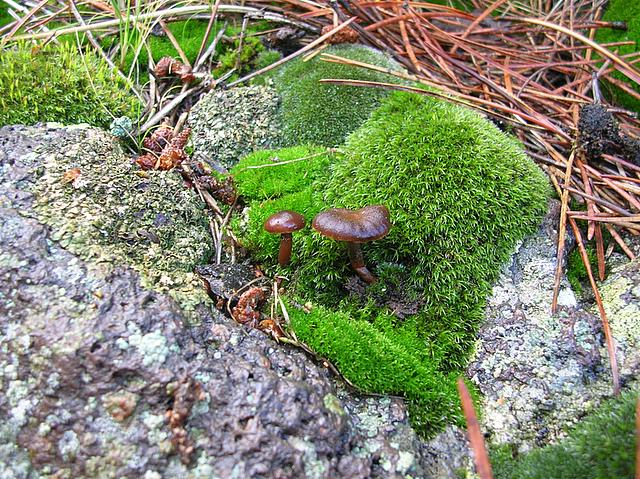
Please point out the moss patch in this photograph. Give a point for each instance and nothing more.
(59, 84)
(324, 114)
(461, 194)
(576, 270)
(601, 447)
(629, 12)
(274, 181)
(381, 358)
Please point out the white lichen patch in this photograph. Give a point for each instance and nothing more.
(405, 462)
(151, 346)
(68, 445)
(156, 435)
(314, 468)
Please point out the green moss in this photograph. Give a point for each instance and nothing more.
(242, 61)
(324, 114)
(266, 58)
(61, 85)
(629, 12)
(460, 193)
(602, 446)
(276, 188)
(270, 174)
(380, 358)
(576, 270)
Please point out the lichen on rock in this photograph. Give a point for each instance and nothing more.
(91, 362)
(112, 214)
(228, 124)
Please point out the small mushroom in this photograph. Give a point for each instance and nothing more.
(354, 227)
(285, 223)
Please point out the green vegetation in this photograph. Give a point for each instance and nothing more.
(60, 84)
(380, 357)
(602, 446)
(629, 12)
(576, 270)
(460, 195)
(189, 35)
(324, 114)
(275, 187)
(4, 15)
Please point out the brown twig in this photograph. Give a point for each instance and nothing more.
(480, 456)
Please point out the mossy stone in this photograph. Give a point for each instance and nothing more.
(324, 114)
(461, 194)
(602, 446)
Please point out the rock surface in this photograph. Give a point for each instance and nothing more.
(102, 376)
(229, 124)
(113, 362)
(539, 373)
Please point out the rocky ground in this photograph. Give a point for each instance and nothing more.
(113, 362)
(101, 376)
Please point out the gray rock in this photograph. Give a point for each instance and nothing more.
(104, 374)
(539, 374)
(228, 124)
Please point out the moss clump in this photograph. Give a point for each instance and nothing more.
(324, 114)
(460, 193)
(381, 358)
(270, 174)
(629, 12)
(276, 186)
(58, 84)
(5, 18)
(602, 446)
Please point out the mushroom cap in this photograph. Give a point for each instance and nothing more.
(284, 222)
(356, 226)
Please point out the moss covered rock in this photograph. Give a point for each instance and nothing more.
(105, 212)
(325, 114)
(602, 446)
(461, 195)
(61, 85)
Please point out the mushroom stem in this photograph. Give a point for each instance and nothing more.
(284, 254)
(357, 262)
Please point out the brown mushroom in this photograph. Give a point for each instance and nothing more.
(285, 223)
(354, 227)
